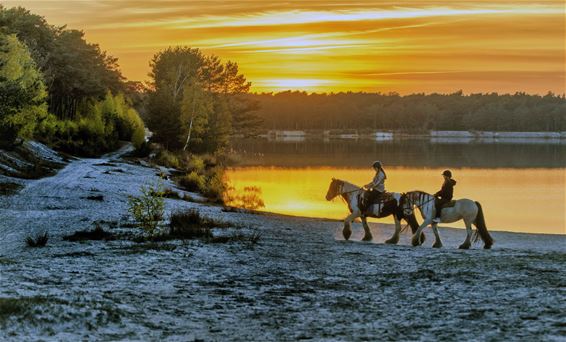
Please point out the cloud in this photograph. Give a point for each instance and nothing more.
(364, 45)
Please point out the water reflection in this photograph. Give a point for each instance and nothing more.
(521, 187)
(407, 152)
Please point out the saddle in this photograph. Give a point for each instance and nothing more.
(369, 198)
(440, 206)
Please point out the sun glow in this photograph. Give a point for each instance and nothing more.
(333, 45)
(287, 84)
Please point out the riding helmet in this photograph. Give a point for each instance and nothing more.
(377, 164)
(447, 173)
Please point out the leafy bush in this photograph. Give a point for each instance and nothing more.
(216, 185)
(97, 129)
(193, 182)
(148, 209)
(190, 224)
(196, 163)
(168, 159)
(249, 199)
(40, 240)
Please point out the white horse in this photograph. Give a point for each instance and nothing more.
(471, 212)
(351, 194)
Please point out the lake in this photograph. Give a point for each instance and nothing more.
(520, 186)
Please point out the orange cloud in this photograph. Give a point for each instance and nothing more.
(415, 46)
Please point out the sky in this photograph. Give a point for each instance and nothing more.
(331, 46)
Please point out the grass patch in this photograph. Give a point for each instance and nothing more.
(38, 241)
(7, 189)
(248, 239)
(4, 261)
(96, 234)
(10, 307)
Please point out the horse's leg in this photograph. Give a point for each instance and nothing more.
(468, 242)
(367, 235)
(347, 231)
(417, 240)
(395, 238)
(437, 242)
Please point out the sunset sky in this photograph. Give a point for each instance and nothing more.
(408, 46)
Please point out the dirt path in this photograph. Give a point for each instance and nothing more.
(300, 282)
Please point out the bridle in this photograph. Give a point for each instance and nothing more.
(413, 204)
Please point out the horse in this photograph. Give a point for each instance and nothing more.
(351, 195)
(470, 211)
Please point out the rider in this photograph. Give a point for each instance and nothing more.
(376, 188)
(445, 194)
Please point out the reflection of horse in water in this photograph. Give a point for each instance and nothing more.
(463, 209)
(390, 206)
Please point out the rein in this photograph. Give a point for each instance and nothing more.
(422, 204)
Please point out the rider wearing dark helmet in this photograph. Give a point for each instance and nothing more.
(376, 188)
(445, 194)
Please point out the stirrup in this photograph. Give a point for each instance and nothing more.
(436, 220)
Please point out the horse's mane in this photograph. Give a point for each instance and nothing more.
(420, 192)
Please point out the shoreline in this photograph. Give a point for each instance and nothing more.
(300, 281)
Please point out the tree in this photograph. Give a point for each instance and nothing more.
(22, 91)
(196, 100)
(75, 71)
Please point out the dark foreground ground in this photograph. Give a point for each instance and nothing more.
(300, 282)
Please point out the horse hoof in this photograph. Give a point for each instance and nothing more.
(347, 234)
(423, 238)
(437, 245)
(464, 246)
(392, 241)
(486, 246)
(415, 242)
(367, 238)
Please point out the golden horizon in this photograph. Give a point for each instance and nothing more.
(330, 46)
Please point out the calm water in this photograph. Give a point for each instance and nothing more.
(521, 186)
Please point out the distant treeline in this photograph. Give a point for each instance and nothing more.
(417, 112)
(58, 88)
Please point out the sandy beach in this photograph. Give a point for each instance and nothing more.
(301, 281)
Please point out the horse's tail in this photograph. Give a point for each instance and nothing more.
(482, 229)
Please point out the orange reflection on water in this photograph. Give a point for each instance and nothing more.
(519, 200)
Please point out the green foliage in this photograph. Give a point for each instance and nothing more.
(215, 187)
(168, 159)
(85, 117)
(250, 198)
(22, 91)
(193, 181)
(98, 128)
(195, 100)
(74, 70)
(196, 163)
(148, 209)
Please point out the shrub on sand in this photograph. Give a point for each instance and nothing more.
(149, 208)
(40, 240)
(193, 182)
